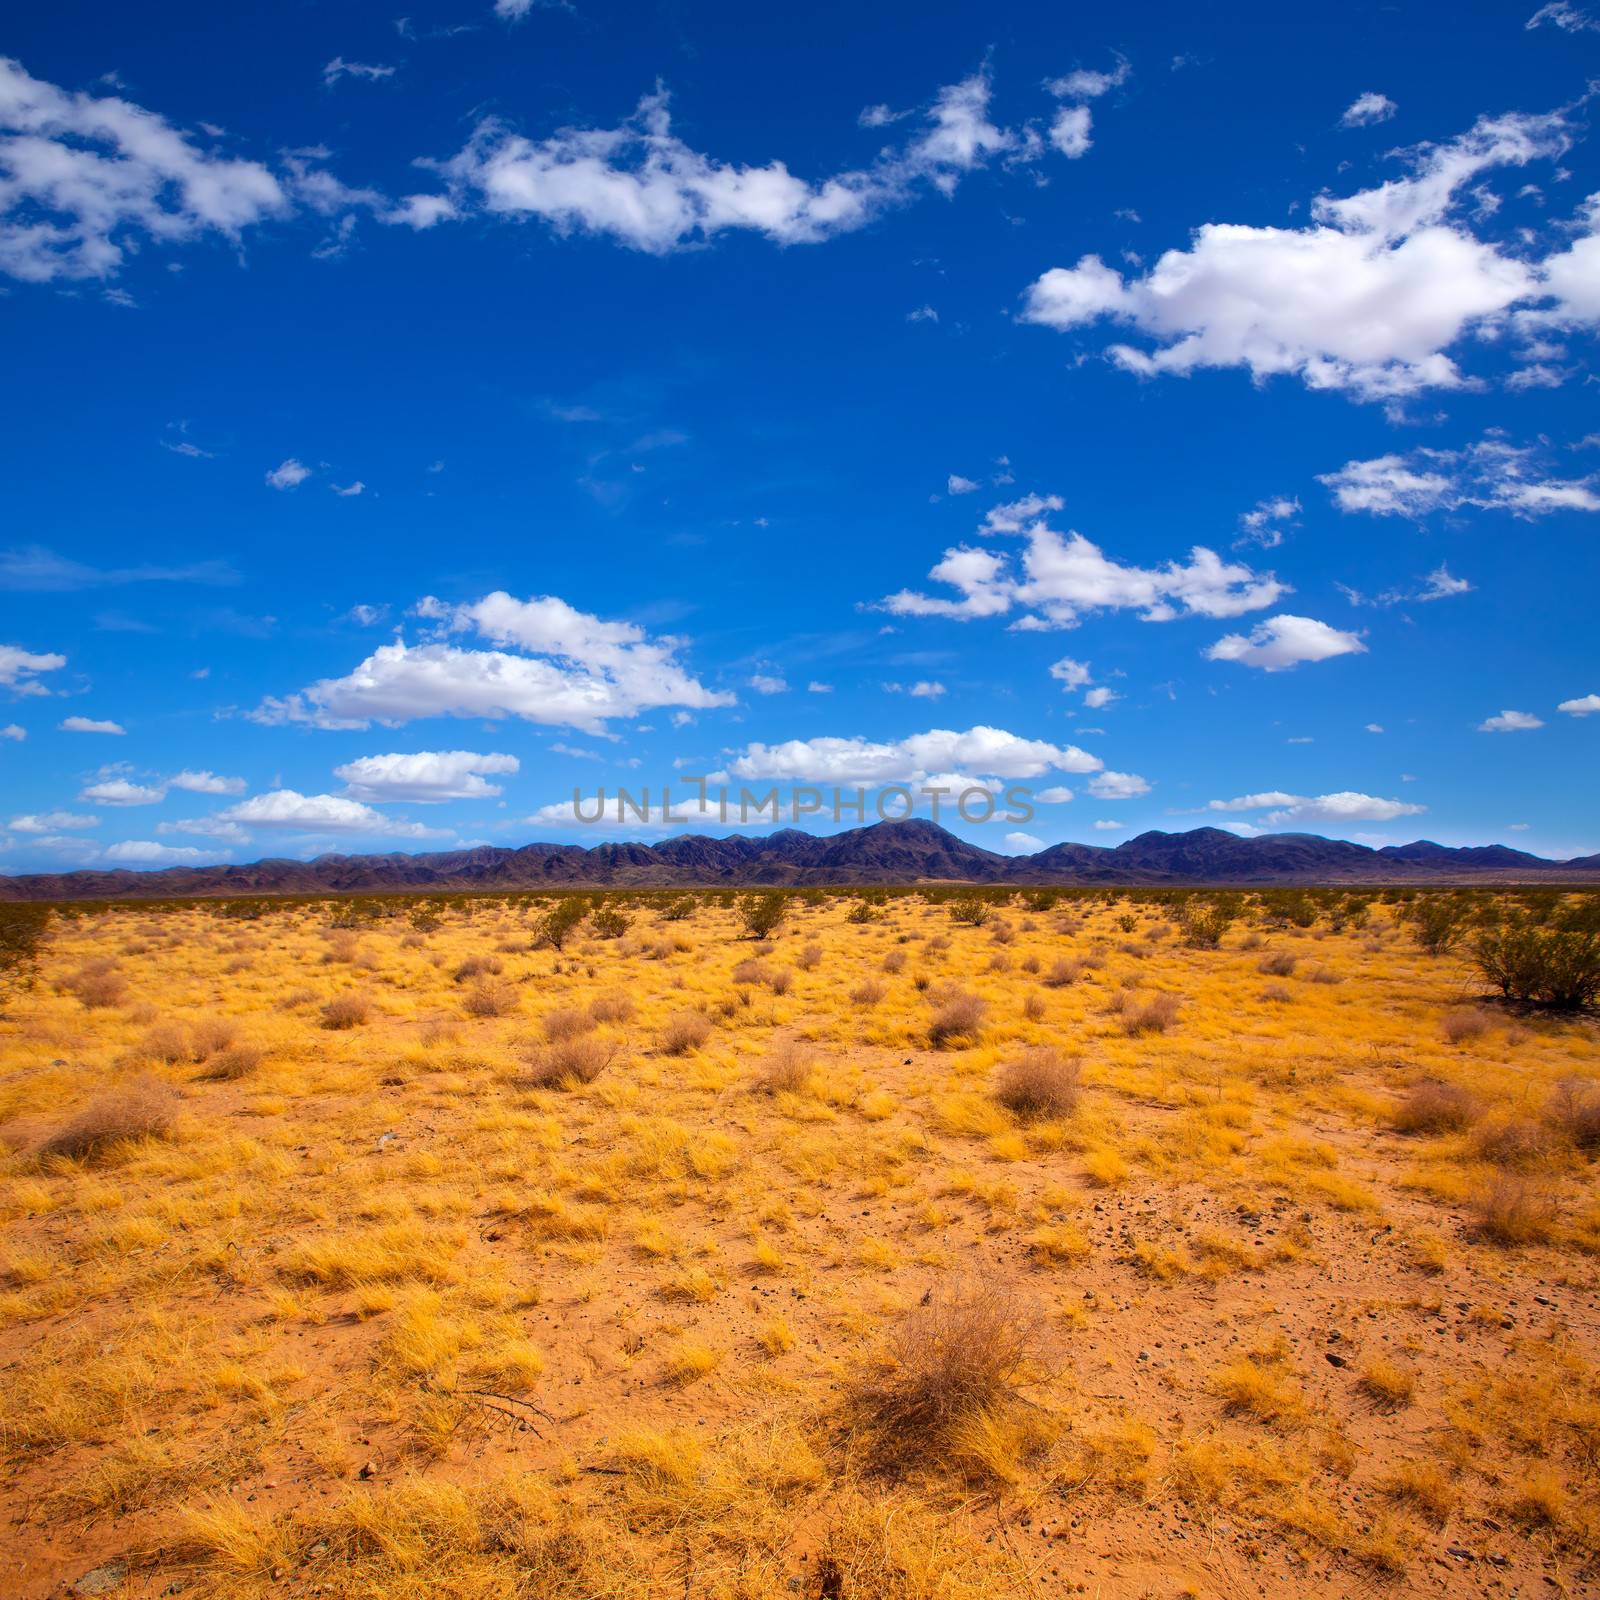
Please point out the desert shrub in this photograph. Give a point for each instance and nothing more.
(1251, 941)
(610, 923)
(1464, 1024)
(1064, 972)
(1040, 1083)
(1511, 1141)
(491, 997)
(786, 1071)
(686, 1031)
(98, 985)
(1322, 974)
(861, 912)
(1574, 1111)
(1033, 1007)
(167, 1043)
(1155, 1015)
(1557, 967)
(971, 910)
(869, 992)
(960, 1357)
(237, 1061)
(141, 1109)
(1437, 921)
(762, 914)
(1511, 1210)
(1203, 929)
(209, 1035)
(1127, 922)
(611, 1008)
(479, 967)
(780, 979)
(895, 961)
(1277, 993)
(565, 1062)
(679, 910)
(1434, 1107)
(1276, 964)
(1002, 932)
(749, 971)
(810, 958)
(559, 923)
(346, 1011)
(1030, 964)
(567, 1022)
(958, 1016)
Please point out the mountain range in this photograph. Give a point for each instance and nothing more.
(907, 852)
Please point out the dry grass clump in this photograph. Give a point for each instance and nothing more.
(1276, 964)
(1463, 1024)
(955, 1364)
(346, 1011)
(98, 985)
(1435, 1107)
(750, 972)
(1511, 1141)
(238, 1061)
(1064, 972)
(959, 1016)
(1040, 1083)
(869, 992)
(1574, 1112)
(479, 967)
(611, 1008)
(1511, 1210)
(143, 1108)
(491, 997)
(1387, 1384)
(567, 1022)
(809, 958)
(786, 1071)
(1156, 1015)
(686, 1031)
(566, 1062)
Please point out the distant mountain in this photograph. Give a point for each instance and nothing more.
(913, 851)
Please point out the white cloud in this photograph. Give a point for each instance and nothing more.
(764, 683)
(1108, 826)
(85, 180)
(14, 731)
(1065, 577)
(579, 672)
(1344, 806)
(814, 687)
(990, 752)
(90, 725)
(1300, 300)
(1491, 475)
(1374, 727)
(319, 814)
(1096, 699)
(207, 828)
(51, 822)
(926, 689)
(427, 776)
(1283, 642)
(1056, 796)
(1072, 674)
(1264, 524)
(1510, 722)
(288, 474)
(1367, 109)
(641, 185)
(1585, 706)
(19, 668)
(956, 484)
(365, 616)
(340, 68)
(147, 853)
(1087, 84)
(1440, 585)
(350, 490)
(1023, 843)
(1070, 131)
(120, 792)
(1118, 786)
(206, 783)
(1560, 14)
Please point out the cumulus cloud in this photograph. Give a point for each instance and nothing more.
(90, 725)
(206, 783)
(288, 474)
(572, 670)
(1107, 825)
(1055, 796)
(1584, 706)
(147, 853)
(1070, 129)
(1300, 301)
(14, 731)
(320, 814)
(956, 484)
(1118, 786)
(19, 669)
(1064, 577)
(120, 792)
(1071, 674)
(1491, 475)
(51, 822)
(84, 180)
(766, 683)
(643, 186)
(1344, 806)
(426, 776)
(1510, 722)
(1367, 109)
(1265, 523)
(1097, 699)
(1283, 642)
(1023, 843)
(980, 750)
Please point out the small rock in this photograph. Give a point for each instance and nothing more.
(1332, 1359)
(368, 1468)
(102, 1579)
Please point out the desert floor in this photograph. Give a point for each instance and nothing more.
(1290, 1287)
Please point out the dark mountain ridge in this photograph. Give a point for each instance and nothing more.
(912, 851)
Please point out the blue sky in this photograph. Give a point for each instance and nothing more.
(409, 418)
